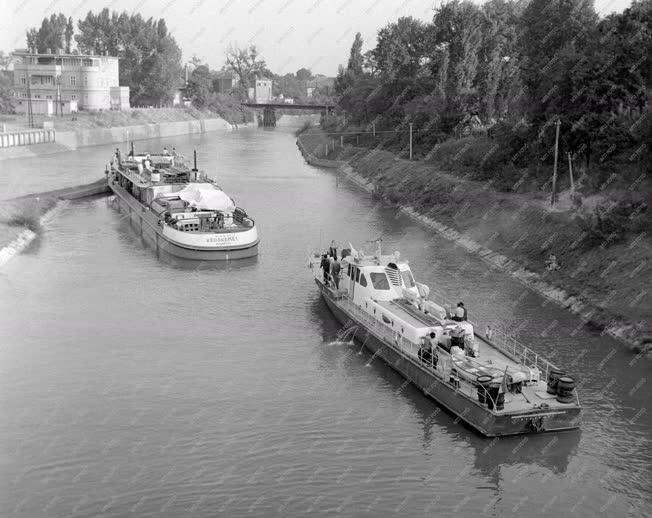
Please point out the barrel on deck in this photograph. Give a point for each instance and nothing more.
(566, 389)
(496, 397)
(553, 379)
(483, 387)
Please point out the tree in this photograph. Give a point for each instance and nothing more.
(355, 59)
(6, 86)
(553, 34)
(6, 93)
(369, 65)
(400, 51)
(603, 92)
(304, 74)
(246, 64)
(497, 77)
(456, 37)
(200, 86)
(70, 29)
(53, 34)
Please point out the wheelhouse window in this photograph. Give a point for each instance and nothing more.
(379, 280)
(408, 280)
(363, 280)
(357, 275)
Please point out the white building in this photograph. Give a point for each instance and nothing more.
(263, 90)
(87, 81)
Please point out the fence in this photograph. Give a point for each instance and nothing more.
(26, 138)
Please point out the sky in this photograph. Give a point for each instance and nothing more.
(290, 34)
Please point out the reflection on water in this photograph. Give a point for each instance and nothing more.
(135, 386)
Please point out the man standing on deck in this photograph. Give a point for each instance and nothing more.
(325, 266)
(335, 272)
(333, 249)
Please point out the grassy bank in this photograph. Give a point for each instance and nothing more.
(609, 270)
(22, 214)
(228, 109)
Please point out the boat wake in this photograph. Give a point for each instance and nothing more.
(335, 343)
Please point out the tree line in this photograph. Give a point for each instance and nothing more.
(244, 65)
(511, 69)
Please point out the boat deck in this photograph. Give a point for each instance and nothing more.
(490, 360)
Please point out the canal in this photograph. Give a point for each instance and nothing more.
(132, 385)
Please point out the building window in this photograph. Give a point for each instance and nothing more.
(73, 97)
(73, 80)
(37, 97)
(23, 80)
(48, 97)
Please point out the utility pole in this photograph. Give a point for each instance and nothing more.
(373, 128)
(570, 172)
(410, 141)
(30, 113)
(554, 170)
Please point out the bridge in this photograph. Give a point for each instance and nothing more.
(269, 109)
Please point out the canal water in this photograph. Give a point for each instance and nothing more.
(132, 385)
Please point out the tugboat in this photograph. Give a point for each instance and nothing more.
(180, 210)
(490, 381)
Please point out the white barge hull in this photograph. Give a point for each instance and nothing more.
(202, 247)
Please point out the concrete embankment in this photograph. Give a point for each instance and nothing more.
(71, 140)
(591, 312)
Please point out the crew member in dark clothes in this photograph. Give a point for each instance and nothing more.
(326, 266)
(335, 272)
(332, 251)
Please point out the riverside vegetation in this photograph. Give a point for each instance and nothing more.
(483, 88)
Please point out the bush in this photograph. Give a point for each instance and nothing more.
(611, 223)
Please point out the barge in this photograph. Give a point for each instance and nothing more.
(490, 381)
(179, 210)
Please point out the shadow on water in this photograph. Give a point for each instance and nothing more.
(552, 451)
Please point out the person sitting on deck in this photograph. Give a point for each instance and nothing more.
(165, 151)
(148, 163)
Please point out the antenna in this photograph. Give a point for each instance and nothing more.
(132, 149)
(194, 152)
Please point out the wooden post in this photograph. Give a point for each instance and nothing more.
(410, 141)
(341, 141)
(554, 170)
(570, 172)
(357, 140)
(373, 128)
